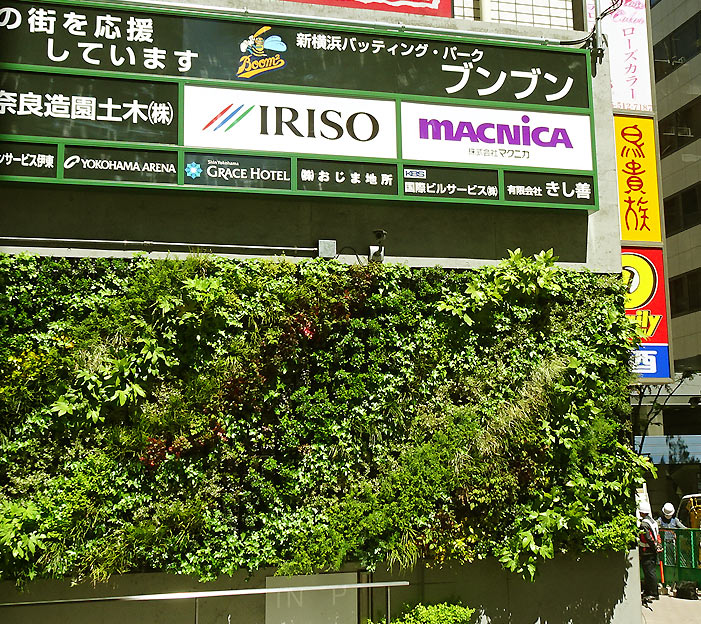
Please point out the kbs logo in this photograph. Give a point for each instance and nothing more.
(261, 54)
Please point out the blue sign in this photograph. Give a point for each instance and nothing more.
(651, 361)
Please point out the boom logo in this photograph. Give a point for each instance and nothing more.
(261, 54)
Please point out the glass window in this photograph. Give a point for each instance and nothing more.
(672, 215)
(693, 289)
(685, 293)
(683, 210)
(680, 128)
(691, 208)
(662, 57)
(668, 136)
(685, 40)
(677, 296)
(678, 47)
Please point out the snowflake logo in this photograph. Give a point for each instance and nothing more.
(193, 170)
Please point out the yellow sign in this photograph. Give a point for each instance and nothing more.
(636, 165)
(640, 275)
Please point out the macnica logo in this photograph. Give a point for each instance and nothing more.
(500, 134)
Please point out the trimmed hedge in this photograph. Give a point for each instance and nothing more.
(208, 415)
(443, 613)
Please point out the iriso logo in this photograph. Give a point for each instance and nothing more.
(329, 124)
(309, 123)
(261, 54)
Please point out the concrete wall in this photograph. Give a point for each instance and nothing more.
(592, 589)
(418, 233)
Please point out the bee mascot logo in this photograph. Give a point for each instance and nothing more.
(261, 54)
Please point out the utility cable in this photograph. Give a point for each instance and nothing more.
(617, 4)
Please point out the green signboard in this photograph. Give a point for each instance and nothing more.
(335, 176)
(122, 94)
(549, 188)
(57, 105)
(116, 165)
(251, 172)
(28, 160)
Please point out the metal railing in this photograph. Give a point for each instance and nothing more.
(196, 595)
(681, 554)
(149, 245)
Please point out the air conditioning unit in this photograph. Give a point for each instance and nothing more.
(683, 131)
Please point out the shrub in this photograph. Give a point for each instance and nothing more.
(443, 613)
(207, 415)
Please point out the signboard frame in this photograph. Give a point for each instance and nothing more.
(647, 307)
(182, 83)
(438, 8)
(646, 111)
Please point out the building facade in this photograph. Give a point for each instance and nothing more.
(136, 103)
(673, 436)
(676, 33)
(79, 213)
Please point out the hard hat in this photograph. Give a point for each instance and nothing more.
(668, 510)
(644, 508)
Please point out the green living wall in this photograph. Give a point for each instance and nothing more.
(207, 415)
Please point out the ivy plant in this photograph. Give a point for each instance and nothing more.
(205, 415)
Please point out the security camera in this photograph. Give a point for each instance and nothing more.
(377, 252)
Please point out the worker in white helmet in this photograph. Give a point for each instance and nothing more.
(667, 522)
(649, 544)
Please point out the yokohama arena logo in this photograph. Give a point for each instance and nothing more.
(261, 54)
